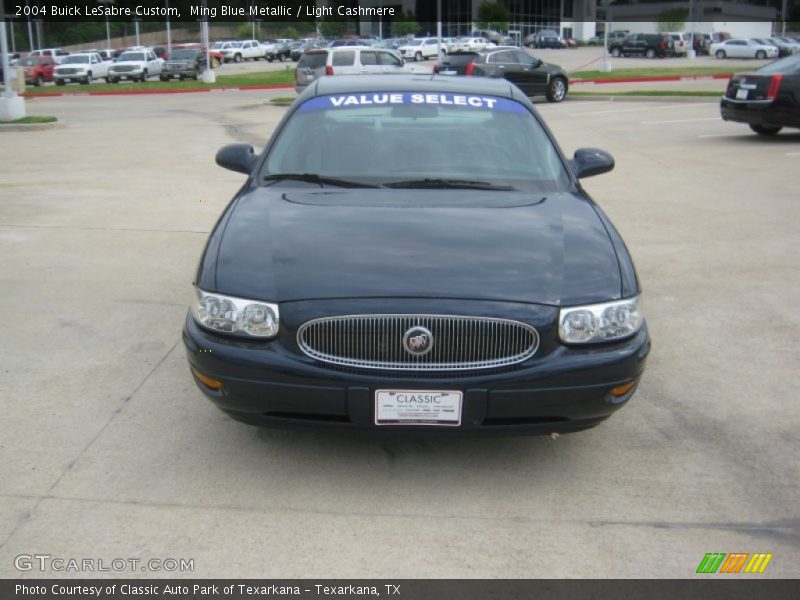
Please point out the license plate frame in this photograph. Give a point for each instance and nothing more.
(434, 408)
(741, 94)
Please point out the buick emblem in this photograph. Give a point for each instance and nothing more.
(418, 341)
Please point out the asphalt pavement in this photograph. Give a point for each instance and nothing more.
(107, 449)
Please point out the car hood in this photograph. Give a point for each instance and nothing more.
(507, 246)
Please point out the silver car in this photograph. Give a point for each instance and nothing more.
(345, 60)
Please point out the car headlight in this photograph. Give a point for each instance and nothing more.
(597, 323)
(227, 314)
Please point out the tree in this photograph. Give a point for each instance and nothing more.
(492, 15)
(673, 19)
(333, 29)
(244, 31)
(406, 25)
(290, 33)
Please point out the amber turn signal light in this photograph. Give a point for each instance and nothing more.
(212, 384)
(623, 389)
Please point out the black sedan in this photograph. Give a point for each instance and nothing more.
(767, 99)
(532, 75)
(394, 271)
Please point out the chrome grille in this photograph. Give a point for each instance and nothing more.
(459, 343)
(124, 69)
(67, 71)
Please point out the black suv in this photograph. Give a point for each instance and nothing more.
(529, 74)
(651, 45)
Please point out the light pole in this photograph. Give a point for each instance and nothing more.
(169, 31)
(12, 106)
(108, 27)
(208, 75)
(136, 25)
(438, 30)
(606, 65)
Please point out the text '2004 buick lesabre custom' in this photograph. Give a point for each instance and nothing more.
(416, 253)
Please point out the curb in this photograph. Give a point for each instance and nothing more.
(652, 79)
(244, 88)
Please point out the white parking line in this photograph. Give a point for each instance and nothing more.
(682, 120)
(641, 108)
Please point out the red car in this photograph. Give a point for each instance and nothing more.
(38, 69)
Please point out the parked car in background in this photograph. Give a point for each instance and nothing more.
(135, 65)
(472, 44)
(57, 54)
(544, 38)
(420, 49)
(767, 99)
(215, 57)
(791, 44)
(345, 60)
(82, 68)
(344, 42)
(245, 50)
(184, 63)
(37, 69)
(784, 48)
(702, 43)
(533, 76)
(106, 55)
(651, 45)
(276, 50)
(743, 48)
(297, 52)
(680, 43)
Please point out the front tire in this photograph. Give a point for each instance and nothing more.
(650, 53)
(720, 54)
(88, 79)
(39, 82)
(761, 55)
(60, 82)
(237, 58)
(418, 57)
(764, 130)
(615, 52)
(143, 78)
(557, 90)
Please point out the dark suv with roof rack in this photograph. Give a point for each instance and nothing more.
(651, 45)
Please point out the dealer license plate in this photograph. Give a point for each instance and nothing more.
(67, 80)
(741, 94)
(418, 407)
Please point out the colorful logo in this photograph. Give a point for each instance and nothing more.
(735, 562)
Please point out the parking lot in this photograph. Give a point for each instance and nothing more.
(108, 450)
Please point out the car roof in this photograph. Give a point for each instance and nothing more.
(349, 84)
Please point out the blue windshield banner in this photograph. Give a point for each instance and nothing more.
(466, 101)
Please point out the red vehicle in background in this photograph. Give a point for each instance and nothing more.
(38, 69)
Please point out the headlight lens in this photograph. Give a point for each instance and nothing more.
(236, 315)
(598, 323)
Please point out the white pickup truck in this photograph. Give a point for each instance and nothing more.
(135, 65)
(239, 51)
(83, 68)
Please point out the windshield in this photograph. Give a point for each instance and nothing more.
(386, 138)
(134, 56)
(75, 58)
(179, 54)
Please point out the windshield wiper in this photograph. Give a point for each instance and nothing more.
(458, 184)
(320, 179)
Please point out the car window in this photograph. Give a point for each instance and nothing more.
(387, 58)
(369, 58)
(385, 137)
(346, 58)
(503, 57)
(524, 58)
(312, 60)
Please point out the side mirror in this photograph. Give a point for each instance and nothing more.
(237, 157)
(588, 162)
(539, 62)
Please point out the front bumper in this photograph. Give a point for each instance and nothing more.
(265, 384)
